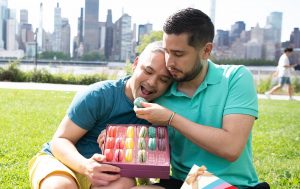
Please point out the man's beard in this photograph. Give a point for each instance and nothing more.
(198, 66)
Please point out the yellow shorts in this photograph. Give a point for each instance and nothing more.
(43, 164)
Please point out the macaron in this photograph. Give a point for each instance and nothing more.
(120, 143)
(110, 143)
(142, 156)
(108, 154)
(138, 100)
(130, 132)
(152, 144)
(142, 143)
(129, 143)
(143, 132)
(128, 155)
(112, 131)
(152, 132)
(161, 132)
(119, 155)
(161, 144)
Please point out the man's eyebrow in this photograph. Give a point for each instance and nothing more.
(173, 50)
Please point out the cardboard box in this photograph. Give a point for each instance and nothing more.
(157, 161)
(199, 178)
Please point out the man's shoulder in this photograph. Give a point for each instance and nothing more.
(107, 89)
(233, 70)
(108, 84)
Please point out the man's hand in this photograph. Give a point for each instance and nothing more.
(101, 139)
(101, 174)
(153, 113)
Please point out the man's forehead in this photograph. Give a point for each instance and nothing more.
(175, 41)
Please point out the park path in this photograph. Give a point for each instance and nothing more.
(68, 87)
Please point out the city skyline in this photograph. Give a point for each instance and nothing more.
(227, 13)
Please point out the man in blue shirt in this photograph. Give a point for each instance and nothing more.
(73, 158)
(215, 106)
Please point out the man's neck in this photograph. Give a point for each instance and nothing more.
(190, 87)
(128, 91)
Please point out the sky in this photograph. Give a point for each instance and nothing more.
(252, 12)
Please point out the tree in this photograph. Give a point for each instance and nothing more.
(54, 55)
(93, 56)
(153, 36)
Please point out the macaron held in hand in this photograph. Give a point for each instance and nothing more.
(138, 100)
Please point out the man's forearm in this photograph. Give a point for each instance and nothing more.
(227, 144)
(66, 152)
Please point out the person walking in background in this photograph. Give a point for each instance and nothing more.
(210, 109)
(73, 158)
(283, 73)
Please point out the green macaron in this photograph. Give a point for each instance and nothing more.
(138, 100)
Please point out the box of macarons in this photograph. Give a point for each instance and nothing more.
(138, 150)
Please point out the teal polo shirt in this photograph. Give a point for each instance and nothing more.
(226, 89)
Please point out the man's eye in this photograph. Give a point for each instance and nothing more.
(164, 80)
(178, 54)
(147, 72)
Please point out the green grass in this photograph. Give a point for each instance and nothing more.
(29, 118)
(276, 143)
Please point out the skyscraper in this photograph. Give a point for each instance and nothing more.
(91, 26)
(295, 38)
(3, 18)
(274, 21)
(65, 30)
(143, 30)
(122, 44)
(212, 13)
(23, 16)
(109, 36)
(80, 26)
(236, 30)
(11, 24)
(56, 43)
(39, 34)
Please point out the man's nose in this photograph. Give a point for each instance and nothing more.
(169, 61)
(152, 81)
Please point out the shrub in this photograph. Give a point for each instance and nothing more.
(264, 84)
(13, 73)
(39, 76)
(296, 84)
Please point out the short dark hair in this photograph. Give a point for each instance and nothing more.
(289, 49)
(194, 22)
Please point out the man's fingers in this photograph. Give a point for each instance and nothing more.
(98, 157)
(101, 136)
(146, 104)
(109, 168)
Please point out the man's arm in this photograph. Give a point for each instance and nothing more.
(227, 142)
(63, 148)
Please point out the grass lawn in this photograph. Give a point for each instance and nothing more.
(29, 118)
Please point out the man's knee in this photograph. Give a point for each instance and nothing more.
(57, 180)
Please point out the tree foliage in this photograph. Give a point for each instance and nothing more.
(153, 36)
(54, 55)
(93, 56)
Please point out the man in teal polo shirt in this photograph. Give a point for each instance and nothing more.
(215, 106)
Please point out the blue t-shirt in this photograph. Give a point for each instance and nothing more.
(225, 90)
(102, 103)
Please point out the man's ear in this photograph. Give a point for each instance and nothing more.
(207, 50)
(135, 62)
